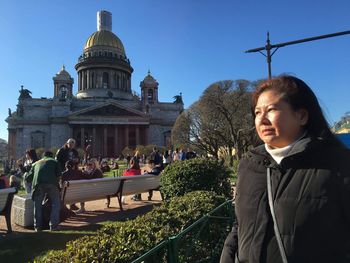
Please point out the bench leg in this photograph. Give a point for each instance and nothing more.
(8, 222)
(108, 201)
(119, 197)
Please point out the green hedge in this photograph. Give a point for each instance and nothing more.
(182, 177)
(126, 241)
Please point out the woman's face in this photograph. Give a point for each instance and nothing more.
(277, 124)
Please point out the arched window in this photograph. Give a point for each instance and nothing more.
(63, 92)
(150, 95)
(105, 78)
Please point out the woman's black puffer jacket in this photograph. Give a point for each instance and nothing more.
(311, 193)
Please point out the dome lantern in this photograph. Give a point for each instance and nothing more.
(104, 21)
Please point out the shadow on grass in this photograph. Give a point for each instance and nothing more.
(24, 247)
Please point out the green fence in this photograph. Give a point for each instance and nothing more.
(200, 242)
(118, 172)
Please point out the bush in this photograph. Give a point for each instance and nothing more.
(126, 241)
(195, 174)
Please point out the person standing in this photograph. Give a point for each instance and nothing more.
(155, 156)
(44, 176)
(66, 153)
(31, 157)
(24, 166)
(293, 192)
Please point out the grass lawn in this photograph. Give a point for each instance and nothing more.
(24, 247)
(115, 173)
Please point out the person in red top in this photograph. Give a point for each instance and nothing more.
(133, 170)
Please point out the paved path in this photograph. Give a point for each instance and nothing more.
(97, 212)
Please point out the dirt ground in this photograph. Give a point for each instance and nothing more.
(96, 212)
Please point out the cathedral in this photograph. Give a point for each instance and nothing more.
(104, 112)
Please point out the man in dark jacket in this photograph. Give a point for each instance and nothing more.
(44, 176)
(66, 153)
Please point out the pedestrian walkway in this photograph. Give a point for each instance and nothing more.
(97, 212)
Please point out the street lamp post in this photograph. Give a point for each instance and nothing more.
(268, 47)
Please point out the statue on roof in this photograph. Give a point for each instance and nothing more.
(24, 93)
(178, 99)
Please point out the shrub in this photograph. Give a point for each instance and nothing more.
(195, 174)
(125, 241)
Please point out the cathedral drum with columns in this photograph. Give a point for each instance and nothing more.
(104, 113)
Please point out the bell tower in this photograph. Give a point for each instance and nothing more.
(149, 90)
(63, 84)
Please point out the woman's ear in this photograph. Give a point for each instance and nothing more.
(304, 116)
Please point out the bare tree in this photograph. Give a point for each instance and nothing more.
(220, 118)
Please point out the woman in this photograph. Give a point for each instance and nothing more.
(293, 192)
(31, 157)
(133, 170)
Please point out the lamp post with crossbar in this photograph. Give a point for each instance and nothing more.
(268, 47)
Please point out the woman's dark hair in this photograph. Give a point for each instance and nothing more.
(32, 154)
(300, 96)
(134, 163)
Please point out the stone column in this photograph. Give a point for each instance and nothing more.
(88, 79)
(105, 140)
(116, 143)
(82, 139)
(146, 134)
(110, 79)
(137, 134)
(93, 141)
(83, 84)
(79, 79)
(126, 135)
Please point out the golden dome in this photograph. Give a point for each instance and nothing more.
(104, 38)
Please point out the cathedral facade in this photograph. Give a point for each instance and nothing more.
(104, 113)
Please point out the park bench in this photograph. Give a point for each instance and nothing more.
(100, 188)
(6, 197)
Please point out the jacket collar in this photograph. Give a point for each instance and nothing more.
(261, 155)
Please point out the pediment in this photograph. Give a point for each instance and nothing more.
(108, 110)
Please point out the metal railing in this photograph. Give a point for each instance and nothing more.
(200, 242)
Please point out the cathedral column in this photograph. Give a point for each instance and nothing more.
(146, 134)
(126, 135)
(93, 79)
(78, 81)
(110, 79)
(137, 134)
(83, 80)
(82, 139)
(105, 140)
(88, 79)
(93, 140)
(116, 143)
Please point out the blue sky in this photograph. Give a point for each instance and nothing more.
(187, 44)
